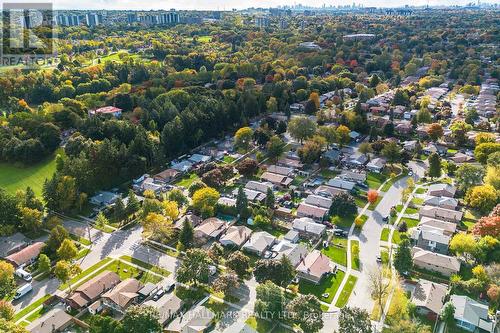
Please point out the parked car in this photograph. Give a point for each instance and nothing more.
(23, 290)
(386, 219)
(24, 275)
(159, 294)
(340, 232)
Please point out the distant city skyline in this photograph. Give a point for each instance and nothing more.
(243, 4)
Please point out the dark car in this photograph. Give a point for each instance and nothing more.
(328, 224)
(386, 219)
(340, 232)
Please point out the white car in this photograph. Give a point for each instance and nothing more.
(23, 291)
(24, 275)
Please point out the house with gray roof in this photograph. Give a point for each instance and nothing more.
(435, 262)
(432, 239)
(12, 244)
(471, 315)
(442, 202)
(317, 200)
(307, 228)
(357, 177)
(449, 228)
(294, 252)
(341, 183)
(442, 190)
(441, 213)
(280, 170)
(259, 242)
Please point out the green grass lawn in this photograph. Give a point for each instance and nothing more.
(354, 257)
(260, 325)
(298, 180)
(187, 180)
(421, 190)
(79, 239)
(30, 307)
(343, 221)
(337, 251)
(417, 201)
(360, 201)
(374, 180)
(384, 236)
(328, 285)
(363, 218)
(15, 177)
(228, 159)
(86, 273)
(411, 223)
(145, 265)
(346, 291)
(328, 173)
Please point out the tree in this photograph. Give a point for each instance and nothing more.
(435, 131)
(216, 252)
(140, 318)
(57, 235)
(493, 176)
(241, 201)
(31, 219)
(424, 116)
(379, 285)
(67, 251)
(270, 300)
(243, 138)
(133, 204)
(226, 282)
(186, 235)
(407, 326)
(392, 152)
(301, 128)
(310, 152)
(64, 272)
(177, 196)
(275, 148)
(43, 263)
(10, 327)
(101, 220)
(329, 133)
(468, 176)
(158, 226)
(194, 268)
(484, 150)
(239, 263)
(354, 320)
(487, 226)
(305, 311)
(365, 148)
(104, 324)
(343, 205)
(270, 199)
(343, 135)
(434, 165)
(372, 196)
(448, 315)
(483, 198)
(119, 210)
(463, 244)
(7, 283)
(403, 261)
(459, 129)
(280, 272)
(204, 201)
(6, 310)
(247, 167)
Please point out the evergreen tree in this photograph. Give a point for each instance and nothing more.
(133, 204)
(241, 201)
(434, 165)
(270, 199)
(403, 262)
(186, 236)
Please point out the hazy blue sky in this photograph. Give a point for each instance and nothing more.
(229, 4)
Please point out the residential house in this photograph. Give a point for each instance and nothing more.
(356, 160)
(472, 315)
(210, 228)
(196, 320)
(354, 135)
(289, 162)
(448, 228)
(107, 110)
(12, 244)
(442, 202)
(168, 306)
(149, 184)
(308, 229)
(314, 212)
(54, 321)
(376, 165)
(259, 186)
(253, 196)
(410, 146)
(182, 166)
(341, 183)
(259, 242)
(236, 236)
(319, 201)
(280, 170)
(293, 251)
(422, 132)
(435, 148)
(90, 291)
(403, 128)
(104, 198)
(228, 202)
(357, 177)
(120, 297)
(166, 176)
(442, 190)
(314, 267)
(431, 239)
(25, 256)
(461, 158)
(429, 297)
(441, 213)
(194, 219)
(276, 179)
(328, 191)
(332, 155)
(198, 159)
(436, 262)
(292, 236)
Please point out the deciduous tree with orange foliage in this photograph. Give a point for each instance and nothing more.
(487, 226)
(372, 196)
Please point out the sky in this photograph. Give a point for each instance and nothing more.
(230, 4)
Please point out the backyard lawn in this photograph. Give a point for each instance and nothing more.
(374, 180)
(328, 285)
(346, 291)
(410, 223)
(343, 221)
(187, 180)
(14, 177)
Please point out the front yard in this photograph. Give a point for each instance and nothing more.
(329, 285)
(346, 291)
(337, 251)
